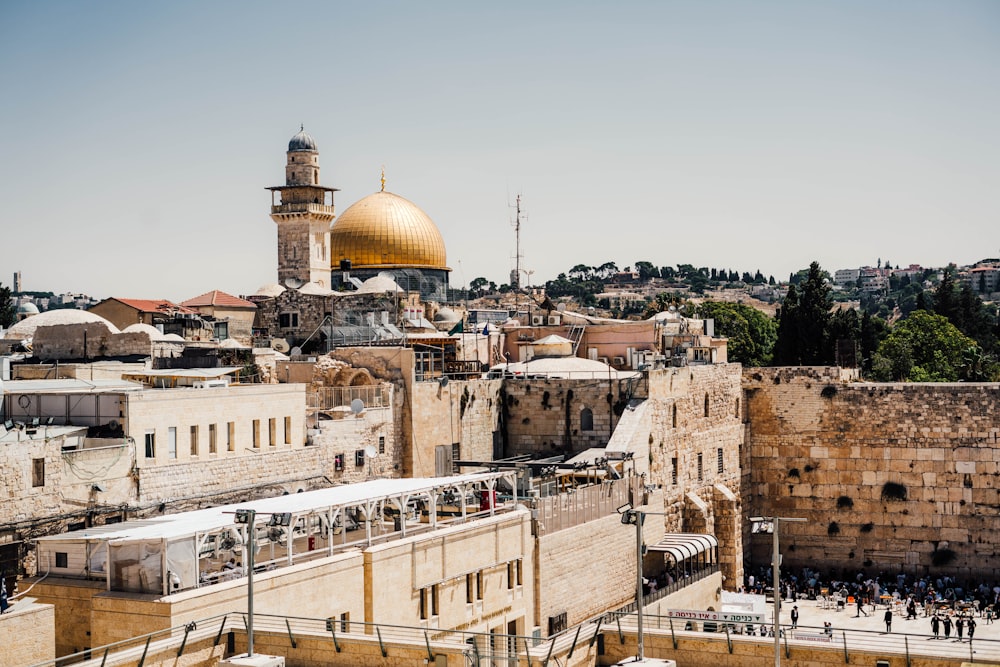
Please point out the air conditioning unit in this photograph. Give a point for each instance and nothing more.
(553, 320)
(537, 320)
(618, 361)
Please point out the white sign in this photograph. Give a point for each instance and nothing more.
(721, 616)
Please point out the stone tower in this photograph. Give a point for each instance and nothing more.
(303, 211)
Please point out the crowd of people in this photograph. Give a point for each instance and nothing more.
(947, 601)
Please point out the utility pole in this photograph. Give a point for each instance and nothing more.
(769, 524)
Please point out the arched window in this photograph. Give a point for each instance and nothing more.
(586, 419)
(706, 405)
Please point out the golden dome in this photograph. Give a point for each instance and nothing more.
(384, 230)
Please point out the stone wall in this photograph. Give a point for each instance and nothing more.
(27, 634)
(695, 415)
(826, 450)
(464, 412)
(590, 568)
(543, 415)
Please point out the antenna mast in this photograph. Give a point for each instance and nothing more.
(515, 276)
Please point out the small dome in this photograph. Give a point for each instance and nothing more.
(302, 141)
(27, 308)
(148, 329)
(26, 327)
(446, 315)
(386, 230)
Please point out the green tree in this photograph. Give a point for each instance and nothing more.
(751, 333)
(8, 314)
(786, 347)
(647, 270)
(924, 347)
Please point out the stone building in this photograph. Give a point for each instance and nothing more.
(234, 315)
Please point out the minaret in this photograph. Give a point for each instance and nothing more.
(303, 210)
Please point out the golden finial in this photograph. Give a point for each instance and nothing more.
(383, 179)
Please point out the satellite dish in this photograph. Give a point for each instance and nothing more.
(357, 406)
(294, 283)
(443, 381)
(296, 351)
(561, 307)
(370, 452)
(280, 344)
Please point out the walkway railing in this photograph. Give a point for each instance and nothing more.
(584, 504)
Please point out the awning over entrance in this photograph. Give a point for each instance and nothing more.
(682, 546)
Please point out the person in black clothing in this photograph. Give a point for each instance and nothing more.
(861, 607)
(947, 627)
(888, 620)
(972, 628)
(795, 617)
(959, 627)
(935, 625)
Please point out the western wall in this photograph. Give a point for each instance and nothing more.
(891, 477)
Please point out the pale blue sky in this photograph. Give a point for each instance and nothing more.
(136, 138)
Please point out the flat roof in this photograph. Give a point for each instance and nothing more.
(69, 386)
(216, 518)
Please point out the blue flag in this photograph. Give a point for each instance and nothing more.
(486, 329)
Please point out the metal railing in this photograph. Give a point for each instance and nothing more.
(583, 504)
(373, 396)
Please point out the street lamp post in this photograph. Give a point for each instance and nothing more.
(249, 517)
(636, 517)
(769, 524)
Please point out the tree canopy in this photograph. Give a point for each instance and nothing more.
(751, 333)
(804, 321)
(8, 314)
(925, 347)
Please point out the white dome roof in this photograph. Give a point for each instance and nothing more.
(139, 327)
(173, 338)
(271, 290)
(27, 308)
(383, 282)
(26, 327)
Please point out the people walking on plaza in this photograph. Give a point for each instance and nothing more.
(947, 627)
(972, 628)
(861, 607)
(911, 609)
(959, 627)
(888, 620)
(795, 617)
(935, 625)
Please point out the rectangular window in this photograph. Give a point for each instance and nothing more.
(345, 622)
(470, 588)
(511, 574)
(381, 444)
(701, 470)
(288, 320)
(272, 432)
(150, 444)
(172, 442)
(256, 434)
(62, 559)
(479, 585)
(338, 462)
(38, 472)
(213, 438)
(456, 452)
(519, 574)
(673, 471)
(288, 430)
(722, 465)
(231, 436)
(434, 600)
(423, 603)
(194, 441)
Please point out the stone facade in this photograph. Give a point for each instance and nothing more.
(546, 416)
(890, 476)
(27, 634)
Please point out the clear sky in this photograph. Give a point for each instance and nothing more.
(136, 138)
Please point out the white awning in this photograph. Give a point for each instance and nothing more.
(686, 545)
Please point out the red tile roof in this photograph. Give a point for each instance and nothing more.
(153, 306)
(218, 298)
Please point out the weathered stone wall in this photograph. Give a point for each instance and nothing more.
(824, 450)
(695, 412)
(590, 568)
(543, 415)
(27, 634)
(465, 412)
